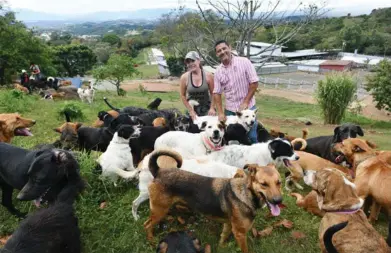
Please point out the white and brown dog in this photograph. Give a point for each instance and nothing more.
(88, 93)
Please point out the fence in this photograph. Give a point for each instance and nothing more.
(291, 84)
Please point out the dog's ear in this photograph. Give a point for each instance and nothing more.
(360, 131)
(58, 130)
(251, 168)
(240, 174)
(162, 247)
(337, 138)
(203, 125)
(239, 114)
(255, 111)
(222, 125)
(78, 125)
(371, 144)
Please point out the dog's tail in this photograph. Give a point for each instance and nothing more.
(305, 133)
(299, 144)
(67, 117)
(109, 105)
(193, 103)
(328, 236)
(154, 167)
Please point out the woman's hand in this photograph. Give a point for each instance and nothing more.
(193, 115)
(212, 112)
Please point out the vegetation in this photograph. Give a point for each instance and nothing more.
(334, 95)
(379, 85)
(112, 228)
(118, 67)
(175, 65)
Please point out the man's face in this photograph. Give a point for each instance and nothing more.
(223, 52)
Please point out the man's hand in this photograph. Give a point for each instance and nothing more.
(212, 112)
(243, 106)
(222, 117)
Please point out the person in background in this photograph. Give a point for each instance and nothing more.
(237, 78)
(24, 78)
(197, 85)
(35, 71)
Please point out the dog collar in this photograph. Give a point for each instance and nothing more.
(209, 145)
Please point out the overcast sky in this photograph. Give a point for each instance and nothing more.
(87, 6)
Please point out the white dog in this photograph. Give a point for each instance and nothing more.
(189, 144)
(262, 154)
(117, 160)
(207, 169)
(88, 93)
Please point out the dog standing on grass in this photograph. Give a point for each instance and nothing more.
(88, 93)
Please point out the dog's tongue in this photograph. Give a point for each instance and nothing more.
(339, 159)
(24, 132)
(37, 202)
(274, 209)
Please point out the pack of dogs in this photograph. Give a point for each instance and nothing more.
(207, 166)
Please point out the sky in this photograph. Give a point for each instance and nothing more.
(68, 7)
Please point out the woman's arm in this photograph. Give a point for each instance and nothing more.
(183, 94)
(211, 84)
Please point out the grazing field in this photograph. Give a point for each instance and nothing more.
(112, 229)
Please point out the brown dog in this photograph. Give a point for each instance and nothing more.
(14, 125)
(21, 88)
(306, 162)
(232, 201)
(338, 198)
(160, 121)
(276, 133)
(373, 172)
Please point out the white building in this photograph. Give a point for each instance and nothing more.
(157, 58)
(261, 50)
(308, 65)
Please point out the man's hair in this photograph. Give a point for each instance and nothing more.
(220, 42)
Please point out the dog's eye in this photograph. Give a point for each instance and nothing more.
(264, 184)
(209, 126)
(278, 183)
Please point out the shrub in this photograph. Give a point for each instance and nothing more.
(74, 111)
(16, 101)
(379, 85)
(334, 95)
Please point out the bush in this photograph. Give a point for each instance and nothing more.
(175, 66)
(334, 95)
(379, 85)
(74, 111)
(16, 101)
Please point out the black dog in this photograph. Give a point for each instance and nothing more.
(154, 105)
(50, 230)
(322, 145)
(180, 242)
(236, 132)
(146, 141)
(19, 168)
(185, 123)
(131, 110)
(263, 134)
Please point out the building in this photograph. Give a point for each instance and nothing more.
(335, 65)
(307, 65)
(157, 58)
(261, 51)
(304, 54)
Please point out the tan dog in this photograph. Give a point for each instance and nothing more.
(14, 125)
(308, 203)
(306, 162)
(276, 133)
(232, 201)
(160, 121)
(21, 88)
(338, 197)
(373, 173)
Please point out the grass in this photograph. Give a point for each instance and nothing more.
(147, 72)
(113, 229)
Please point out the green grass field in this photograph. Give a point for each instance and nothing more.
(113, 230)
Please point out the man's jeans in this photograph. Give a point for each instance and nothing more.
(252, 134)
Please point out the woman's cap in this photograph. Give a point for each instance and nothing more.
(193, 55)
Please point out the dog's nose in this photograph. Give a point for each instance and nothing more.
(34, 121)
(216, 132)
(276, 200)
(252, 122)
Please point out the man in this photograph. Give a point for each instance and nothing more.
(237, 78)
(35, 71)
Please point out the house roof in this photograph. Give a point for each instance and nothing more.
(336, 63)
(302, 53)
(308, 62)
(157, 52)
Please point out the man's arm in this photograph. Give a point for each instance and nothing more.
(252, 78)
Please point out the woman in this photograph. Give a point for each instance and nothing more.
(197, 85)
(35, 71)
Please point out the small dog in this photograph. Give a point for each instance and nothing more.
(154, 105)
(117, 160)
(224, 199)
(181, 241)
(337, 196)
(13, 124)
(236, 132)
(322, 145)
(188, 144)
(88, 93)
(21, 88)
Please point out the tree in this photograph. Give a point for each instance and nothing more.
(243, 18)
(111, 38)
(18, 47)
(103, 51)
(72, 60)
(379, 85)
(118, 68)
(352, 36)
